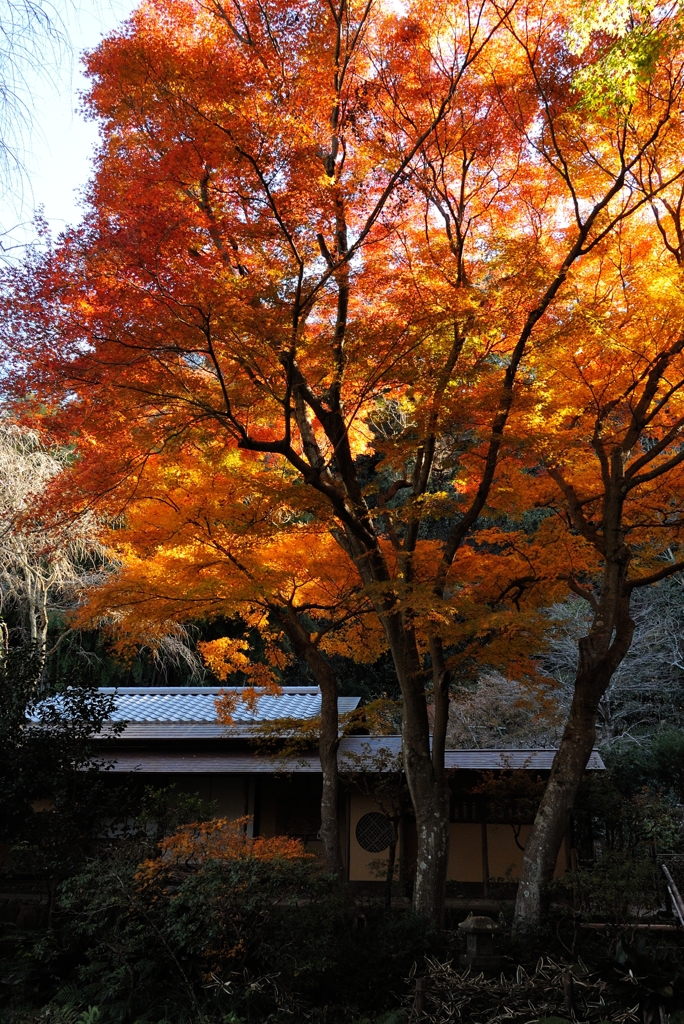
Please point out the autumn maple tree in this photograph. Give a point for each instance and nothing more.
(609, 464)
(201, 542)
(339, 244)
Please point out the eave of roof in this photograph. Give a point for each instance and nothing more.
(356, 754)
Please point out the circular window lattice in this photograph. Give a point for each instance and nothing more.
(374, 832)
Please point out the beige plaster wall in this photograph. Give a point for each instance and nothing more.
(465, 852)
(504, 855)
(364, 866)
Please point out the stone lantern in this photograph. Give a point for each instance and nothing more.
(480, 933)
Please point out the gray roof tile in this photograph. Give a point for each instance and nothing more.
(164, 705)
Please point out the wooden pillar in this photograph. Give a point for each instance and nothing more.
(250, 800)
(485, 854)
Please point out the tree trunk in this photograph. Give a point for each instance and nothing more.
(328, 744)
(431, 807)
(425, 775)
(423, 763)
(38, 623)
(598, 660)
(391, 860)
(553, 815)
(328, 737)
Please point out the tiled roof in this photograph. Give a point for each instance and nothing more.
(356, 753)
(534, 760)
(212, 764)
(386, 748)
(159, 706)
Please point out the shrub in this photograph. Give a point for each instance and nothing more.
(615, 889)
(219, 839)
(247, 935)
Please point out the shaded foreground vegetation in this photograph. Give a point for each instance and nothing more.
(153, 910)
(150, 916)
(263, 940)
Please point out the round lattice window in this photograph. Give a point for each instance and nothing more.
(374, 832)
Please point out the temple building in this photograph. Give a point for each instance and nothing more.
(251, 768)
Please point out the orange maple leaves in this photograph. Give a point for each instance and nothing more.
(219, 839)
(348, 281)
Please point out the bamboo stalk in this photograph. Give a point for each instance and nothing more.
(674, 891)
(597, 926)
(676, 909)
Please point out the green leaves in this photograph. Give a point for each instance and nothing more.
(611, 83)
(612, 18)
(628, 39)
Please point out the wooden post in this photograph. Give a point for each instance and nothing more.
(573, 868)
(420, 999)
(485, 855)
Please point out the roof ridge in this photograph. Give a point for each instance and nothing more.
(191, 691)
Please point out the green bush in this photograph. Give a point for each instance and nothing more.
(244, 937)
(605, 818)
(612, 889)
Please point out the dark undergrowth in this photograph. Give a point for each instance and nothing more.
(236, 942)
(259, 941)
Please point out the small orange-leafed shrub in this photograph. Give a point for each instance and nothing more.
(220, 839)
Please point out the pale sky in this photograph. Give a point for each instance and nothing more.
(56, 150)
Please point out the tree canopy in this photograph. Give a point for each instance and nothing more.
(358, 287)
